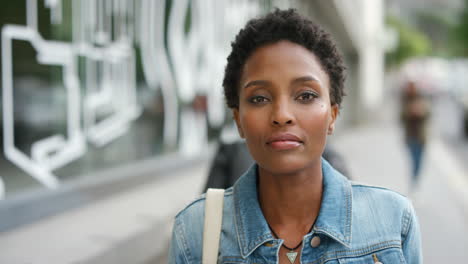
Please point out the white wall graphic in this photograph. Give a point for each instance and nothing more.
(56, 150)
(105, 34)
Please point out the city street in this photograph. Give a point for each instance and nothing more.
(112, 112)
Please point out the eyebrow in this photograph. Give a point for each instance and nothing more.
(306, 78)
(256, 82)
(302, 79)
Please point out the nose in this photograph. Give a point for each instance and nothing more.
(282, 115)
(279, 123)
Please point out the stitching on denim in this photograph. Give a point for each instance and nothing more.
(402, 258)
(227, 192)
(244, 247)
(364, 252)
(408, 223)
(357, 252)
(344, 238)
(389, 242)
(240, 235)
(234, 259)
(181, 238)
(405, 227)
(363, 185)
(257, 243)
(410, 220)
(331, 234)
(349, 209)
(190, 205)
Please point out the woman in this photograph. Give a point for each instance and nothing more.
(284, 83)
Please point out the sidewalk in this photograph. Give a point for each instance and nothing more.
(131, 227)
(376, 155)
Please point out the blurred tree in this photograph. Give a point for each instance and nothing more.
(459, 34)
(437, 26)
(411, 42)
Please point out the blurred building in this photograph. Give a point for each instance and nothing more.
(100, 96)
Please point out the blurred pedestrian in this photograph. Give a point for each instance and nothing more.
(284, 82)
(415, 114)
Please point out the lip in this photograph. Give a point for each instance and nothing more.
(284, 141)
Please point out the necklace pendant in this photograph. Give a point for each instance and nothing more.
(291, 256)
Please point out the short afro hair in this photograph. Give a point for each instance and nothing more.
(274, 27)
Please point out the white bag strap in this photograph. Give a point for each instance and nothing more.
(212, 227)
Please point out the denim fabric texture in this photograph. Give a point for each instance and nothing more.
(356, 224)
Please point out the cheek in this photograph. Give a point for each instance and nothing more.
(315, 124)
(316, 120)
(252, 124)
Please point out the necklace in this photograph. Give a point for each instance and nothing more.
(292, 254)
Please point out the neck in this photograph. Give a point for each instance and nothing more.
(291, 201)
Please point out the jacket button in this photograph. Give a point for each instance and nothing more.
(269, 244)
(315, 242)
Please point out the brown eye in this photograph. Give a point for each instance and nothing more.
(258, 99)
(306, 97)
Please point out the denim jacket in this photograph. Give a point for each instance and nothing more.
(356, 224)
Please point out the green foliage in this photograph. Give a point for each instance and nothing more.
(459, 36)
(437, 25)
(411, 42)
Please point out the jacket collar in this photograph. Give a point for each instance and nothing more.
(334, 218)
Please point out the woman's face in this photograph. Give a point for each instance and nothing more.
(284, 109)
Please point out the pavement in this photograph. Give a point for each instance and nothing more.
(131, 227)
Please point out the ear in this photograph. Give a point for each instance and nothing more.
(235, 113)
(335, 110)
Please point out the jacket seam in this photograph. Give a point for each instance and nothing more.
(181, 240)
(238, 224)
(329, 233)
(190, 205)
(233, 259)
(227, 192)
(363, 251)
(407, 224)
(349, 210)
(361, 185)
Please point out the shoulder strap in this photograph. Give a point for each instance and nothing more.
(212, 227)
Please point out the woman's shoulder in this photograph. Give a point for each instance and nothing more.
(386, 210)
(196, 208)
(188, 228)
(378, 193)
(370, 195)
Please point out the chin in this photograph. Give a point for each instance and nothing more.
(285, 166)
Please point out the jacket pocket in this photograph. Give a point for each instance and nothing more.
(386, 256)
(233, 260)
